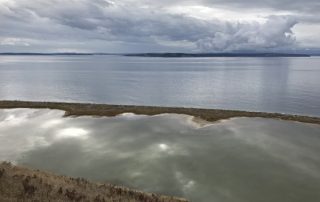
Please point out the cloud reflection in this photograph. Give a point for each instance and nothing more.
(242, 159)
(72, 133)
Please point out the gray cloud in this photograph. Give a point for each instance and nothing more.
(289, 5)
(276, 32)
(76, 23)
(285, 5)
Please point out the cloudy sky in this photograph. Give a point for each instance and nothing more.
(158, 26)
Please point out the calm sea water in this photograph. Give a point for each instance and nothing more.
(286, 85)
(236, 160)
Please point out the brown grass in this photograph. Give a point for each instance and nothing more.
(23, 184)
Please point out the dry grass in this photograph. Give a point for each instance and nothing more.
(23, 184)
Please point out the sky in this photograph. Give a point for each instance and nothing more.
(129, 26)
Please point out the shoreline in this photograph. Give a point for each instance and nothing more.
(18, 183)
(211, 115)
(164, 54)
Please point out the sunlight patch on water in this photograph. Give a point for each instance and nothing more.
(72, 133)
(13, 120)
(51, 123)
(163, 147)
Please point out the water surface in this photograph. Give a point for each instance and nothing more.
(236, 160)
(287, 85)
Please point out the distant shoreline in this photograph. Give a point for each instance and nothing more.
(212, 115)
(188, 55)
(165, 55)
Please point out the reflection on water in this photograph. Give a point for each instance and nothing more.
(237, 160)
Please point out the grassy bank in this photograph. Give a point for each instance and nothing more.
(23, 184)
(82, 109)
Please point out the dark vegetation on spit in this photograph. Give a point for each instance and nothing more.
(169, 55)
(85, 109)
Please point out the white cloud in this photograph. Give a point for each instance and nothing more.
(142, 25)
(13, 42)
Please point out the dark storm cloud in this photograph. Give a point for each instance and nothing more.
(140, 22)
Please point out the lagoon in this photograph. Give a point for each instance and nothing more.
(234, 160)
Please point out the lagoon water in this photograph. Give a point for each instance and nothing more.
(287, 85)
(236, 160)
